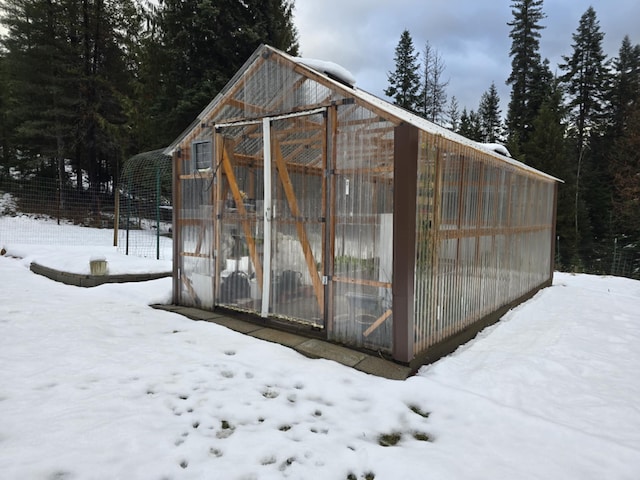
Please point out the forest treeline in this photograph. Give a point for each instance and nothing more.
(86, 84)
(581, 125)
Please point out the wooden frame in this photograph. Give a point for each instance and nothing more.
(362, 138)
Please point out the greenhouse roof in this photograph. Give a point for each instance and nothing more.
(338, 78)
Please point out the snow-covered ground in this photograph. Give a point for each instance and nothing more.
(17, 229)
(95, 384)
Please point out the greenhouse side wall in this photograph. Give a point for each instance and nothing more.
(362, 221)
(484, 238)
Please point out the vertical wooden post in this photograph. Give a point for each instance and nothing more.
(405, 173)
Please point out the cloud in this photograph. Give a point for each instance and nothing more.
(472, 37)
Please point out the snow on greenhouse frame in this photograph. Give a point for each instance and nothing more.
(328, 209)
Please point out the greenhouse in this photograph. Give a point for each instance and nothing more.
(310, 204)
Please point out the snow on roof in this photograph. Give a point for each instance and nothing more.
(497, 147)
(329, 68)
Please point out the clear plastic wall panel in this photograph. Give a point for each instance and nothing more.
(502, 271)
(447, 260)
(518, 201)
(469, 282)
(450, 192)
(264, 89)
(471, 193)
(447, 287)
(490, 196)
(424, 285)
(504, 191)
(239, 206)
(487, 274)
(197, 285)
(196, 222)
(298, 222)
(273, 88)
(310, 93)
(362, 201)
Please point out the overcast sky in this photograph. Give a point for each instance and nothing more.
(471, 36)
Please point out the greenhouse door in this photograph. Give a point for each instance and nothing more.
(272, 227)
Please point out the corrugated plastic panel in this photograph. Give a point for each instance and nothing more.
(483, 237)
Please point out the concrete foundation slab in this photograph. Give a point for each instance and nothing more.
(383, 368)
(319, 349)
(309, 347)
(283, 338)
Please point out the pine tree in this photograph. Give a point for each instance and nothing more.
(586, 79)
(433, 96)
(547, 151)
(470, 125)
(525, 68)
(201, 45)
(275, 21)
(71, 79)
(42, 82)
(453, 114)
(623, 155)
(489, 115)
(6, 127)
(625, 163)
(404, 81)
(625, 86)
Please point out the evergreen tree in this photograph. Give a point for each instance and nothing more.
(200, 46)
(70, 77)
(625, 163)
(274, 19)
(6, 127)
(470, 125)
(525, 68)
(625, 86)
(586, 77)
(404, 81)
(489, 115)
(586, 80)
(42, 82)
(624, 153)
(433, 96)
(547, 151)
(453, 114)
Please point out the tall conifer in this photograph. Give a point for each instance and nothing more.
(525, 68)
(202, 44)
(489, 115)
(586, 80)
(404, 81)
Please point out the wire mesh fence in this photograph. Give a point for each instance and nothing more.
(144, 205)
(38, 210)
(626, 260)
(135, 216)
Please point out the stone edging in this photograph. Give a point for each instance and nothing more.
(80, 280)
